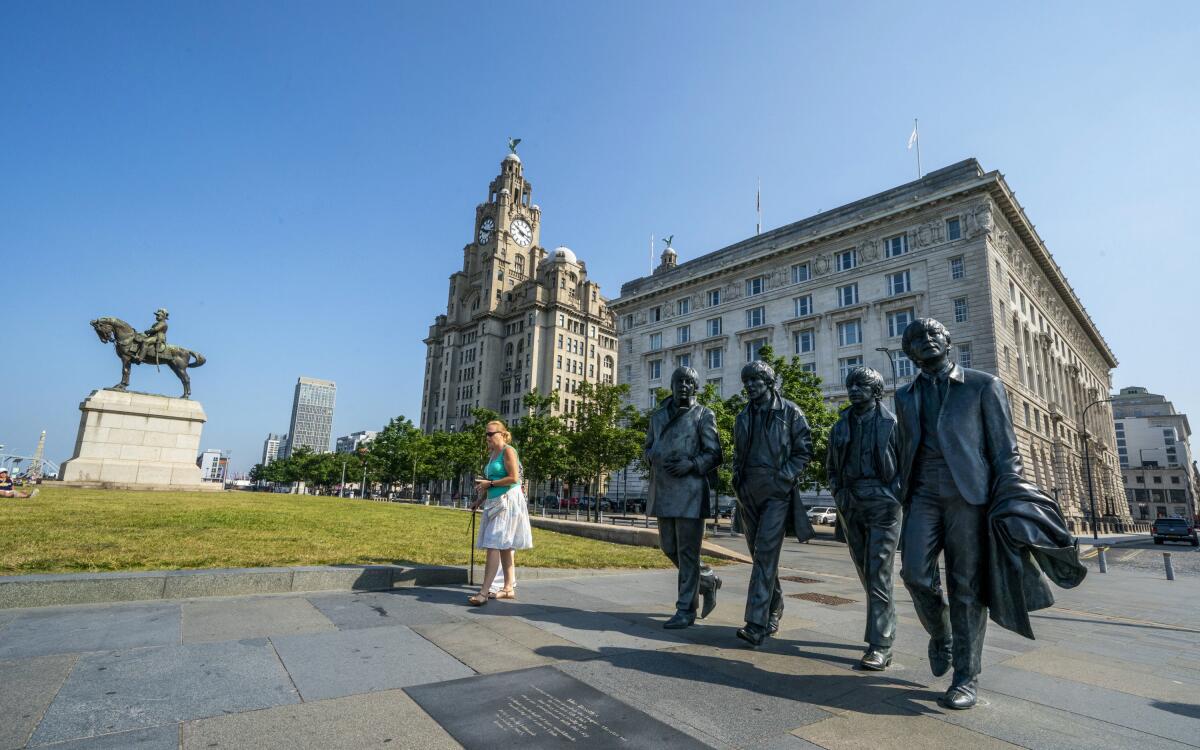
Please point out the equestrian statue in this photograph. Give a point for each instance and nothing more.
(151, 347)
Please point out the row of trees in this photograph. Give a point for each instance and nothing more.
(602, 435)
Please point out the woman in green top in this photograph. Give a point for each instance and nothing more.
(505, 525)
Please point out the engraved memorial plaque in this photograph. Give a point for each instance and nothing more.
(541, 708)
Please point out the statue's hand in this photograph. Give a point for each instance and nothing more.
(678, 466)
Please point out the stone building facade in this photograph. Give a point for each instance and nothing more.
(518, 318)
(837, 289)
(1154, 450)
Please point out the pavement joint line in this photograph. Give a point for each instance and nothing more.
(286, 671)
(67, 676)
(1099, 616)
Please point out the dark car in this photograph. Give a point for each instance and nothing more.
(725, 505)
(1175, 530)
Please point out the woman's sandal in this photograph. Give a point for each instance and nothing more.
(506, 594)
(477, 600)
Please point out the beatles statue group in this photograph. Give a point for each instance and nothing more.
(941, 476)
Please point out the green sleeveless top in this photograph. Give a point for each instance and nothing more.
(495, 470)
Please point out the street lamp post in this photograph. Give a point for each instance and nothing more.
(895, 380)
(1087, 461)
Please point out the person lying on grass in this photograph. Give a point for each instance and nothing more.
(6, 486)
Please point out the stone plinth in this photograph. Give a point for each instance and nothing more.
(137, 441)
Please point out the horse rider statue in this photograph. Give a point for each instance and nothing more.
(155, 337)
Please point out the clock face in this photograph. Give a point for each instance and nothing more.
(521, 232)
(485, 230)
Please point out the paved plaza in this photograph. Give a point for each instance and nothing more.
(1115, 666)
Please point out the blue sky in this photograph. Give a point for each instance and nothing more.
(296, 181)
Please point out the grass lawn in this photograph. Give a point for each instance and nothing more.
(75, 530)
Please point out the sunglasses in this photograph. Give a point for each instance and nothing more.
(489, 434)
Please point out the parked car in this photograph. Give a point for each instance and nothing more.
(822, 514)
(725, 506)
(1175, 530)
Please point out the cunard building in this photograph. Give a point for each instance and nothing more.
(837, 289)
(518, 318)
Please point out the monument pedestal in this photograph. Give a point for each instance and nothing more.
(137, 441)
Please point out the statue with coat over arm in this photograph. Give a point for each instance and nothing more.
(683, 452)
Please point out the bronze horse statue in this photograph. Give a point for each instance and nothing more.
(127, 340)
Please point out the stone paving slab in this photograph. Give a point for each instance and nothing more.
(332, 665)
(118, 690)
(1113, 674)
(867, 731)
(594, 630)
(687, 694)
(378, 610)
(26, 688)
(384, 719)
(239, 619)
(165, 737)
(480, 648)
(90, 628)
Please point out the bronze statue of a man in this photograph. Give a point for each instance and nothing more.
(772, 448)
(956, 444)
(863, 478)
(155, 337)
(683, 452)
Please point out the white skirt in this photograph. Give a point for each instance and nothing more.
(505, 522)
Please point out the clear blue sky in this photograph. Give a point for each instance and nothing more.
(295, 181)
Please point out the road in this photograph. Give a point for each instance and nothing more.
(1148, 557)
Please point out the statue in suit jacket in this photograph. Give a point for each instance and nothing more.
(863, 478)
(683, 452)
(956, 444)
(772, 448)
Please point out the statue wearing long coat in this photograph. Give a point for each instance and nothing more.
(691, 433)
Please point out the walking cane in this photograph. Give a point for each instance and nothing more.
(471, 574)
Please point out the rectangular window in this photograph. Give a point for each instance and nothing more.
(960, 310)
(655, 314)
(805, 341)
(847, 295)
(1028, 421)
(1012, 292)
(904, 365)
(717, 385)
(628, 373)
(655, 370)
(800, 272)
(803, 305)
(756, 316)
(809, 367)
(713, 326)
(846, 260)
(714, 297)
(898, 283)
(849, 333)
(752, 348)
(894, 247)
(714, 358)
(964, 354)
(898, 320)
(655, 341)
(683, 334)
(683, 306)
(953, 229)
(958, 269)
(755, 286)
(628, 322)
(683, 360)
(652, 398)
(846, 364)
(629, 346)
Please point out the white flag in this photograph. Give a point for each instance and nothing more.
(913, 137)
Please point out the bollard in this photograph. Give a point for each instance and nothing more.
(1170, 568)
(1103, 559)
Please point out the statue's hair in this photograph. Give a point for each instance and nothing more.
(918, 328)
(761, 370)
(503, 430)
(868, 377)
(683, 371)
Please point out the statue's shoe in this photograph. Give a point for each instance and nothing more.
(752, 634)
(940, 655)
(876, 659)
(773, 622)
(961, 696)
(679, 621)
(709, 597)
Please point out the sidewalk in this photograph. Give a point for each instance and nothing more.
(584, 662)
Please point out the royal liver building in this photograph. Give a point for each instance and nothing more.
(517, 318)
(837, 289)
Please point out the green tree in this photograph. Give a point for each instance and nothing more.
(541, 440)
(606, 434)
(804, 388)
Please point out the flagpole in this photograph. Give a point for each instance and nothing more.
(919, 173)
(758, 207)
(652, 252)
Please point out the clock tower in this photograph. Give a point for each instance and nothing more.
(505, 249)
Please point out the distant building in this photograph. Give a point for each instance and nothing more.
(1156, 458)
(273, 448)
(312, 415)
(518, 319)
(214, 465)
(350, 443)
